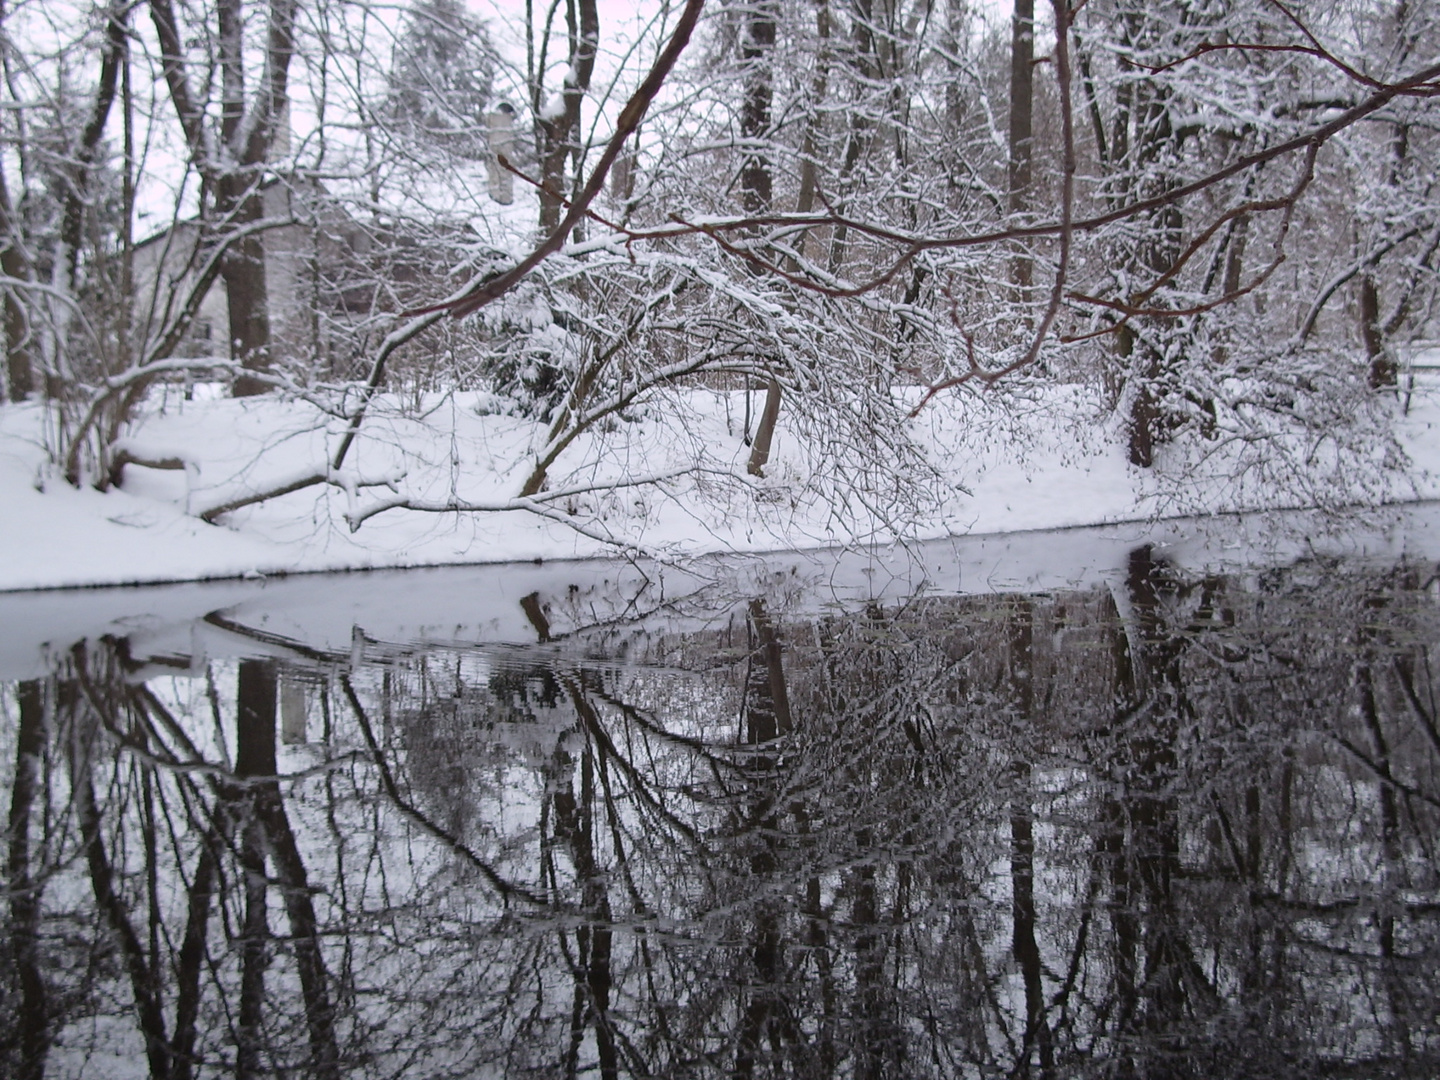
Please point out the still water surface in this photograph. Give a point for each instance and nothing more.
(1153, 822)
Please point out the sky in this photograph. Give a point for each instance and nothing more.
(39, 26)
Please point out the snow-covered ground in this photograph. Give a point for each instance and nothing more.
(1031, 463)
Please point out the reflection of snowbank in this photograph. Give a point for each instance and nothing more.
(998, 469)
(387, 614)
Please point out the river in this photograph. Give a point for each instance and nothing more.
(1147, 801)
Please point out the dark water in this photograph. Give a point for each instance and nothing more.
(1165, 824)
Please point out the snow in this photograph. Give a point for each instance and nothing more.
(554, 108)
(1029, 471)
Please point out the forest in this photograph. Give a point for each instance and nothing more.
(750, 253)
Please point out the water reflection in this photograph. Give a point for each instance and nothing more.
(1179, 826)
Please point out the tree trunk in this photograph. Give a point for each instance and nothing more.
(1143, 133)
(757, 45)
(246, 291)
(19, 368)
(1379, 364)
(559, 135)
(239, 203)
(1022, 112)
(78, 182)
(765, 433)
(810, 144)
(236, 175)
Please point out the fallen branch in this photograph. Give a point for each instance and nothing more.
(346, 481)
(541, 504)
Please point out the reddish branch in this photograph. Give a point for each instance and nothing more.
(479, 294)
(1425, 83)
(1134, 309)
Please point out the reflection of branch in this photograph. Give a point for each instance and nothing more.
(607, 747)
(689, 742)
(506, 889)
(265, 637)
(1334, 907)
(143, 977)
(1405, 670)
(190, 959)
(1382, 771)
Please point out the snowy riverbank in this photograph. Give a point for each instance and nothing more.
(1027, 463)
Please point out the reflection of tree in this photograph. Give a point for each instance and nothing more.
(140, 806)
(1181, 828)
(766, 1030)
(28, 1047)
(267, 834)
(1159, 986)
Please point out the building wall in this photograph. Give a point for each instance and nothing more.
(316, 266)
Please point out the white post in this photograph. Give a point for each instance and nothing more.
(500, 132)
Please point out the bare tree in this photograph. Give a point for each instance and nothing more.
(233, 159)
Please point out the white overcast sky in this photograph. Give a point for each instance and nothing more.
(622, 24)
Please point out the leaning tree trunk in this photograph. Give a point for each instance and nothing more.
(756, 182)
